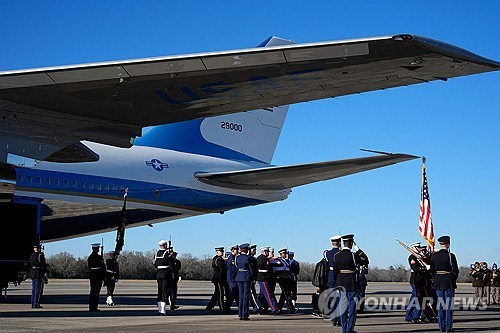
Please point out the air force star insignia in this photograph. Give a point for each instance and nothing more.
(157, 164)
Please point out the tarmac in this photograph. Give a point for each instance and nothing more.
(65, 308)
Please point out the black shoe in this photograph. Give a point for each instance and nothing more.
(94, 310)
(246, 318)
(211, 310)
(174, 307)
(39, 307)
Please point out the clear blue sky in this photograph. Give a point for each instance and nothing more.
(454, 124)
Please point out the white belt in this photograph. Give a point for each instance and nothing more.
(331, 268)
(110, 271)
(162, 267)
(346, 271)
(36, 267)
(95, 268)
(242, 270)
(263, 270)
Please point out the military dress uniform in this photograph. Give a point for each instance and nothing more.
(495, 284)
(478, 276)
(345, 275)
(254, 299)
(96, 276)
(294, 271)
(111, 277)
(330, 256)
(38, 270)
(284, 279)
(266, 295)
(413, 311)
(231, 285)
(164, 276)
(173, 290)
(243, 278)
(444, 266)
(219, 280)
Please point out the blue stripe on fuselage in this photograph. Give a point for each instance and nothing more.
(79, 185)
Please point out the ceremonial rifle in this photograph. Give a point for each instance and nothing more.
(415, 253)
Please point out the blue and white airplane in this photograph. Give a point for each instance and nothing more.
(190, 134)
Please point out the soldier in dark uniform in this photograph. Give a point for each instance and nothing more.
(272, 274)
(264, 271)
(38, 271)
(231, 286)
(344, 269)
(111, 277)
(363, 283)
(330, 254)
(164, 276)
(294, 271)
(254, 299)
(219, 280)
(243, 278)
(495, 284)
(96, 276)
(444, 266)
(284, 277)
(173, 290)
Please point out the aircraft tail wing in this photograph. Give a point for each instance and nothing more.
(286, 177)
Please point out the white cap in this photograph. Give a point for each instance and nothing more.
(415, 244)
(264, 248)
(335, 238)
(96, 244)
(271, 249)
(162, 242)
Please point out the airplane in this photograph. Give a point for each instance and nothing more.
(183, 135)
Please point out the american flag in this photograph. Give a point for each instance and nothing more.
(425, 221)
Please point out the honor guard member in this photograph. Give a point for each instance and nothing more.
(284, 279)
(254, 299)
(243, 278)
(345, 275)
(330, 254)
(173, 290)
(416, 283)
(96, 276)
(164, 276)
(219, 280)
(444, 265)
(38, 271)
(111, 277)
(263, 276)
(232, 286)
(295, 271)
(495, 284)
(272, 273)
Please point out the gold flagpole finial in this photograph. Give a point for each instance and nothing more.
(423, 159)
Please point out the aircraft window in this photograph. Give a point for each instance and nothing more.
(99, 186)
(91, 185)
(65, 182)
(47, 181)
(20, 178)
(28, 179)
(82, 184)
(56, 181)
(107, 187)
(115, 188)
(74, 183)
(39, 179)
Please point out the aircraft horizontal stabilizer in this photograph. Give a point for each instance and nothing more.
(286, 177)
